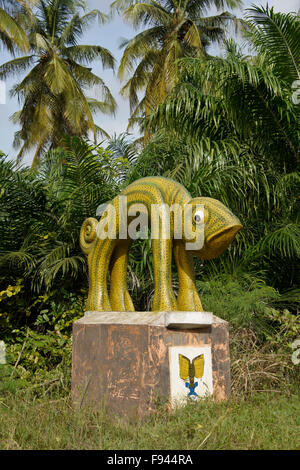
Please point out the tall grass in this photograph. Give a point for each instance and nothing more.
(265, 421)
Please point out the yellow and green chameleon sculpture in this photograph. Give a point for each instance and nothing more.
(219, 225)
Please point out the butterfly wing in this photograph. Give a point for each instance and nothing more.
(198, 363)
(184, 367)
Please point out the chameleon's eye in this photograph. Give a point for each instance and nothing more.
(199, 217)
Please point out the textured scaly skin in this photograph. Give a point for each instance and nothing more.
(113, 253)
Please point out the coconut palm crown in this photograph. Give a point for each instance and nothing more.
(53, 91)
(176, 28)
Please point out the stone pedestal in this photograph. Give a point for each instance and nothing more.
(127, 360)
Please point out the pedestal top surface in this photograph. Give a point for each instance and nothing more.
(177, 320)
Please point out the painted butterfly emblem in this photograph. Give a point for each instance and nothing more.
(189, 370)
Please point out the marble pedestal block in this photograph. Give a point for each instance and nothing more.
(126, 360)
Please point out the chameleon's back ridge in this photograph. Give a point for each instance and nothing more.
(202, 227)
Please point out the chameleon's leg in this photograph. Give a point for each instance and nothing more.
(119, 296)
(164, 297)
(98, 260)
(188, 298)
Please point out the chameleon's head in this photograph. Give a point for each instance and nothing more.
(219, 224)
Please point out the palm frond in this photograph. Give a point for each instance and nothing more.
(279, 33)
(87, 54)
(12, 32)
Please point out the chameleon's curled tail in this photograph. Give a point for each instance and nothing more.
(88, 234)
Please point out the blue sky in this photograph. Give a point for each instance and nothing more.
(107, 36)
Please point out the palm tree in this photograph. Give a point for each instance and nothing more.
(54, 91)
(12, 34)
(223, 103)
(176, 28)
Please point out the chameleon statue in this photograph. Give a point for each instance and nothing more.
(105, 254)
